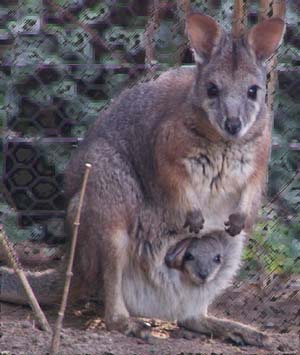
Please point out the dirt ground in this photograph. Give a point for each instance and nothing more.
(274, 308)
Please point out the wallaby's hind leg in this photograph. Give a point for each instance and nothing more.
(116, 314)
(101, 256)
(239, 333)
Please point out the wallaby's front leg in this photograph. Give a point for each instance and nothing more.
(194, 220)
(238, 333)
(235, 223)
(247, 209)
(116, 315)
(250, 201)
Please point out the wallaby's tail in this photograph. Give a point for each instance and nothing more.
(47, 286)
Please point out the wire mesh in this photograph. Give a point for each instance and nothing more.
(61, 62)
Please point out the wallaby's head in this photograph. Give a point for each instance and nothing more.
(231, 81)
(200, 259)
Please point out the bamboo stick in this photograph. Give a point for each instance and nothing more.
(13, 260)
(58, 325)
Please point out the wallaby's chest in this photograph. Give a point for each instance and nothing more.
(217, 177)
(218, 170)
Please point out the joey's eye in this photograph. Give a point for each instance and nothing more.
(188, 257)
(252, 92)
(217, 259)
(212, 90)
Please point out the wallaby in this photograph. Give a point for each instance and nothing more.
(193, 143)
(180, 280)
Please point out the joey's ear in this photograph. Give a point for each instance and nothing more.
(175, 254)
(204, 34)
(265, 37)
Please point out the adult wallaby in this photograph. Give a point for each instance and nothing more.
(193, 144)
(167, 279)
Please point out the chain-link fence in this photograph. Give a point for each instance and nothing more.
(61, 61)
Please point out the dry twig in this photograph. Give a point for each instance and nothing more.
(152, 26)
(58, 325)
(13, 260)
(276, 8)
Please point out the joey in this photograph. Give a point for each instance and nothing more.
(200, 261)
(203, 261)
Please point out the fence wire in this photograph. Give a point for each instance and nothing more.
(61, 61)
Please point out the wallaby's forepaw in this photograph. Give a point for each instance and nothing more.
(194, 220)
(235, 224)
(251, 337)
(130, 326)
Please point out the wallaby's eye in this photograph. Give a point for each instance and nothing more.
(217, 259)
(188, 257)
(212, 90)
(252, 92)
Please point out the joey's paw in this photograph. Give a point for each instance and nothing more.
(129, 326)
(235, 224)
(194, 221)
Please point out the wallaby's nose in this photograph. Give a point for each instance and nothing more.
(203, 274)
(233, 125)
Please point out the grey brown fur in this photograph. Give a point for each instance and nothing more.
(173, 150)
(170, 146)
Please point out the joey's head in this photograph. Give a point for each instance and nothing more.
(200, 259)
(231, 80)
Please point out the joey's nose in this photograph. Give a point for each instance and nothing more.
(203, 274)
(233, 125)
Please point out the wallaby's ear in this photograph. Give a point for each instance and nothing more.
(265, 37)
(204, 34)
(175, 254)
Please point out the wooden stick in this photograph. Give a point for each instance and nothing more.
(264, 9)
(185, 5)
(276, 8)
(58, 325)
(239, 18)
(152, 25)
(279, 10)
(13, 260)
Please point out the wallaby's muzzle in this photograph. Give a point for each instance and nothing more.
(233, 125)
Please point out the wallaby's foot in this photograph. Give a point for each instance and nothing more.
(235, 224)
(237, 333)
(129, 326)
(252, 337)
(194, 220)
